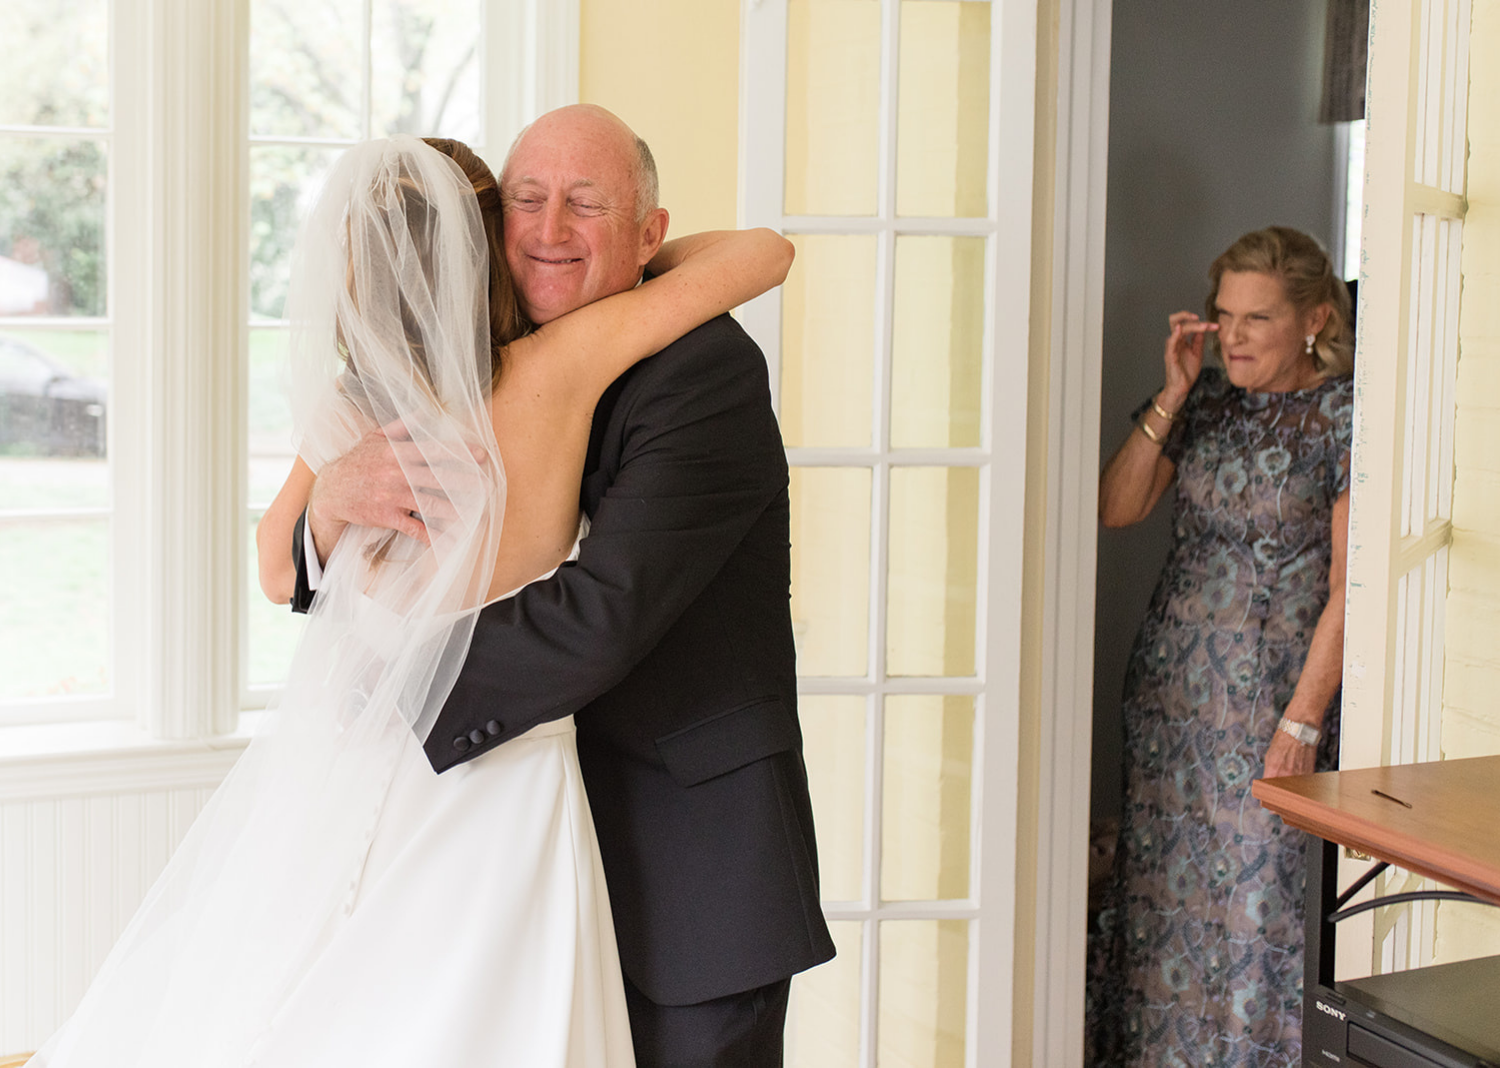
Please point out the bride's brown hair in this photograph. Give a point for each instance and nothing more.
(506, 321)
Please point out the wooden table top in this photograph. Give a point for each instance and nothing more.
(1440, 819)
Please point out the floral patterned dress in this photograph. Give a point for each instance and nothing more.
(1197, 956)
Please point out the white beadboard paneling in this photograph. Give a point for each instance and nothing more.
(72, 872)
(15, 951)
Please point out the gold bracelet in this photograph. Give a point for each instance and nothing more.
(1159, 410)
(1144, 429)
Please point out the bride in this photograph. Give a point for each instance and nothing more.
(292, 927)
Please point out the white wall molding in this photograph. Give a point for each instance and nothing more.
(169, 766)
(1076, 366)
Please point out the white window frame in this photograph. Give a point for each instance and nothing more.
(178, 294)
(995, 816)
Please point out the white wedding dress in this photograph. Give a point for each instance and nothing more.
(481, 899)
(337, 903)
(480, 920)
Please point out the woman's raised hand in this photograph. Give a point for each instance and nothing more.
(1183, 357)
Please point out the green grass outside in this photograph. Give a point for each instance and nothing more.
(54, 608)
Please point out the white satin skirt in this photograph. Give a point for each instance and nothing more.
(479, 931)
(473, 930)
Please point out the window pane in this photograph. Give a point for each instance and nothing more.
(425, 68)
(54, 615)
(943, 114)
(306, 64)
(52, 226)
(59, 76)
(270, 417)
(832, 107)
(924, 968)
(933, 579)
(822, 1029)
(284, 180)
(53, 402)
(929, 756)
(831, 569)
(828, 341)
(937, 356)
(274, 628)
(833, 744)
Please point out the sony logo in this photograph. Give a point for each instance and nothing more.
(1330, 1010)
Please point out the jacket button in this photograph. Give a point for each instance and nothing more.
(476, 736)
(461, 743)
(492, 728)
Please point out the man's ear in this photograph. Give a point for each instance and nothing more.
(653, 233)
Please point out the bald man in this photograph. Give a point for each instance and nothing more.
(669, 638)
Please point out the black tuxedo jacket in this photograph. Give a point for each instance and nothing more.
(670, 639)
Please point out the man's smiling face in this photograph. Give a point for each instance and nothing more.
(571, 231)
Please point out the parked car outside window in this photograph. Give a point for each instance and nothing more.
(45, 409)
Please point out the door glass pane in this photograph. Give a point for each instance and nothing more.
(937, 356)
(828, 341)
(943, 111)
(284, 180)
(831, 569)
(822, 1027)
(52, 226)
(424, 68)
(306, 61)
(53, 402)
(833, 744)
(54, 614)
(832, 107)
(934, 535)
(274, 628)
(60, 75)
(924, 968)
(929, 756)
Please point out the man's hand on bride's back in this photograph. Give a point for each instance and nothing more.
(384, 481)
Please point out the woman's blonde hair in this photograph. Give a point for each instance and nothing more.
(1307, 277)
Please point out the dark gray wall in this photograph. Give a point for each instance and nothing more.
(1212, 132)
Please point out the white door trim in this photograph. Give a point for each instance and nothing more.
(1075, 376)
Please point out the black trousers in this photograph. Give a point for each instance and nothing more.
(739, 1031)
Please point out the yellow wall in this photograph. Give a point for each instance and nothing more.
(1471, 718)
(670, 68)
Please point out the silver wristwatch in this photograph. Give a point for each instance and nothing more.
(1305, 734)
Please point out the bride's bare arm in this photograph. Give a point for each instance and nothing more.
(550, 381)
(278, 575)
(703, 276)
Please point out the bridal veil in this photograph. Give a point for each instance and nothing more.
(388, 328)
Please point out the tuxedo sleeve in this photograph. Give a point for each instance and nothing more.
(302, 593)
(701, 459)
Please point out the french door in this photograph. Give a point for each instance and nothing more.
(1401, 501)
(891, 141)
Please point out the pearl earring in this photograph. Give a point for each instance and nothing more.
(1310, 339)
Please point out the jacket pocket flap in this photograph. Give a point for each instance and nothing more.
(727, 740)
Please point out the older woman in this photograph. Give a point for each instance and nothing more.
(1235, 672)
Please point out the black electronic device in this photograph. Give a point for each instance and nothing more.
(1444, 1016)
